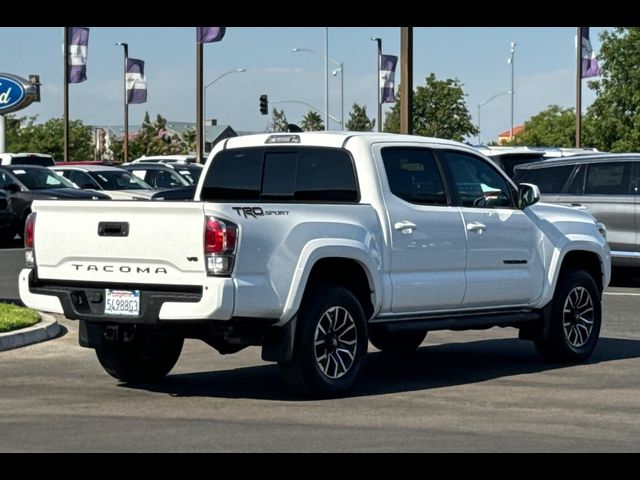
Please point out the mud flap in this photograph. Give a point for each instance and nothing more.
(278, 342)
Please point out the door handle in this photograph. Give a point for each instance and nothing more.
(578, 206)
(405, 226)
(476, 227)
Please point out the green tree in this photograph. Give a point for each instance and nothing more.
(358, 119)
(612, 122)
(312, 122)
(553, 127)
(439, 110)
(279, 121)
(24, 135)
(152, 139)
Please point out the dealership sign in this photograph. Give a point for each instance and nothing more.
(16, 93)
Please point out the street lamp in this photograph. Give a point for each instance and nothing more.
(340, 69)
(378, 40)
(125, 145)
(511, 60)
(483, 104)
(204, 96)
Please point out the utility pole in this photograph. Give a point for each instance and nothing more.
(378, 40)
(66, 94)
(125, 144)
(406, 80)
(578, 86)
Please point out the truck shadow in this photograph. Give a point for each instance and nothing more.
(428, 368)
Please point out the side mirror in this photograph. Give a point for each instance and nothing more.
(529, 194)
(11, 187)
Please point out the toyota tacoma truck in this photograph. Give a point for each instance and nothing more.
(312, 245)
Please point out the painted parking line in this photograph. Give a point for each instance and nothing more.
(623, 294)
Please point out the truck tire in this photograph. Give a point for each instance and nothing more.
(576, 316)
(330, 344)
(147, 359)
(396, 342)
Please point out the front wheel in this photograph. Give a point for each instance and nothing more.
(576, 317)
(146, 359)
(330, 345)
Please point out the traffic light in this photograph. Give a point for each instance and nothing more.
(264, 104)
(35, 81)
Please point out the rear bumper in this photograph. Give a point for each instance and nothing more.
(214, 300)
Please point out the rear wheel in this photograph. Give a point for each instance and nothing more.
(396, 342)
(330, 345)
(576, 316)
(146, 359)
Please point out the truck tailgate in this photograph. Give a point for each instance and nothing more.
(138, 242)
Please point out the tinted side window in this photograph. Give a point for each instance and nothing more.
(413, 175)
(5, 179)
(608, 179)
(577, 184)
(234, 175)
(478, 183)
(548, 180)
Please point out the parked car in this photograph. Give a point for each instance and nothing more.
(605, 185)
(507, 158)
(166, 175)
(6, 219)
(167, 159)
(25, 183)
(115, 182)
(27, 159)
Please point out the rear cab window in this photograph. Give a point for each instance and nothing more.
(275, 174)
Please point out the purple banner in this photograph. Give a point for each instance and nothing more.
(387, 76)
(136, 81)
(209, 34)
(78, 41)
(590, 66)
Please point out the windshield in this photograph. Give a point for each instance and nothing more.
(119, 180)
(41, 179)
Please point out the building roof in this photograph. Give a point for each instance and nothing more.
(518, 129)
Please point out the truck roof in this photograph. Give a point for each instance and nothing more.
(327, 139)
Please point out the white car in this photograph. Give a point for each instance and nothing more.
(116, 182)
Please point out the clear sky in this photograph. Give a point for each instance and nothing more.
(544, 70)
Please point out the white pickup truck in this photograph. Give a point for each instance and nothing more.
(313, 244)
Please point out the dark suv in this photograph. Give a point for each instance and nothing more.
(606, 185)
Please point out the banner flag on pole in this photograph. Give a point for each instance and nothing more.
(78, 41)
(209, 34)
(590, 66)
(387, 76)
(136, 81)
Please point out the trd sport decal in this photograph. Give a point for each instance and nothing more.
(256, 212)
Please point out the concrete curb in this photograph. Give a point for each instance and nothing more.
(45, 330)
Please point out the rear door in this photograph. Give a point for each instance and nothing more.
(428, 244)
(606, 189)
(504, 265)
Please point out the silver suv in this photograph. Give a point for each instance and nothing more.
(606, 185)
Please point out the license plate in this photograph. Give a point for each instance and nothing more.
(122, 302)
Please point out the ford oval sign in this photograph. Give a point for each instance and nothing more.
(15, 93)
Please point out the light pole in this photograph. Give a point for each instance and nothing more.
(125, 144)
(204, 96)
(378, 40)
(340, 69)
(482, 105)
(511, 60)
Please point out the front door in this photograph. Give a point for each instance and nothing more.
(504, 265)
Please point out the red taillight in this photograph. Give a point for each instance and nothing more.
(219, 237)
(29, 230)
